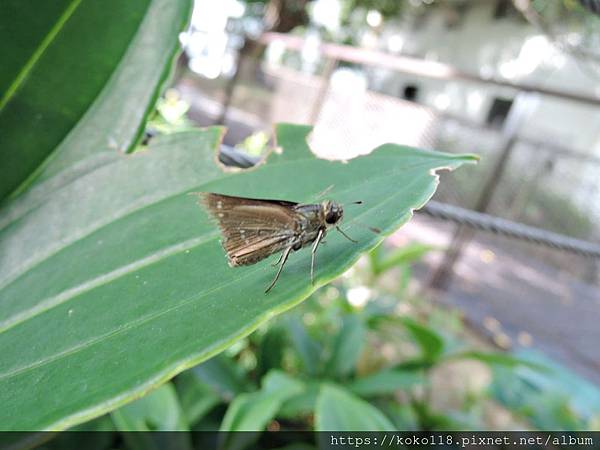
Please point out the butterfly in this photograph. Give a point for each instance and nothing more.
(253, 229)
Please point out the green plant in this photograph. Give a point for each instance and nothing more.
(331, 381)
(112, 278)
(166, 300)
(314, 369)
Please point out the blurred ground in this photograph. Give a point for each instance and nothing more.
(520, 301)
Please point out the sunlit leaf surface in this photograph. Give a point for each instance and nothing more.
(118, 282)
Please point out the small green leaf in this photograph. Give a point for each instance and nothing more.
(347, 346)
(430, 343)
(303, 403)
(157, 411)
(270, 351)
(195, 396)
(402, 415)
(253, 411)
(339, 410)
(407, 254)
(223, 376)
(384, 382)
(307, 348)
(498, 359)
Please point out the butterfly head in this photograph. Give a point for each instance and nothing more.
(333, 212)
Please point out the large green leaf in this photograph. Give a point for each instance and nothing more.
(78, 78)
(117, 282)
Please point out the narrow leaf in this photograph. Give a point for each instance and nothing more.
(157, 411)
(407, 254)
(347, 346)
(430, 343)
(384, 382)
(340, 410)
(254, 411)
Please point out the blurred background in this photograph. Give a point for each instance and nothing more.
(506, 255)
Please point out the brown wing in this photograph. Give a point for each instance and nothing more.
(252, 229)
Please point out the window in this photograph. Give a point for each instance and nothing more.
(499, 112)
(410, 92)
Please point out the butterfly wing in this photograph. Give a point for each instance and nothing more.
(252, 229)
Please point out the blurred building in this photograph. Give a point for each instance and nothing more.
(491, 39)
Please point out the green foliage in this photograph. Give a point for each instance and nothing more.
(347, 346)
(221, 375)
(550, 399)
(106, 261)
(386, 381)
(256, 144)
(61, 83)
(430, 343)
(255, 410)
(113, 280)
(368, 395)
(340, 410)
(400, 257)
(159, 410)
(319, 393)
(196, 397)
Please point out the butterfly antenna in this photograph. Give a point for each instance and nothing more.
(368, 227)
(345, 235)
(324, 192)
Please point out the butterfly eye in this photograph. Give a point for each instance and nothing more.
(332, 216)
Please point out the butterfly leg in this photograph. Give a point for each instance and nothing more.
(345, 235)
(320, 236)
(284, 258)
(278, 261)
